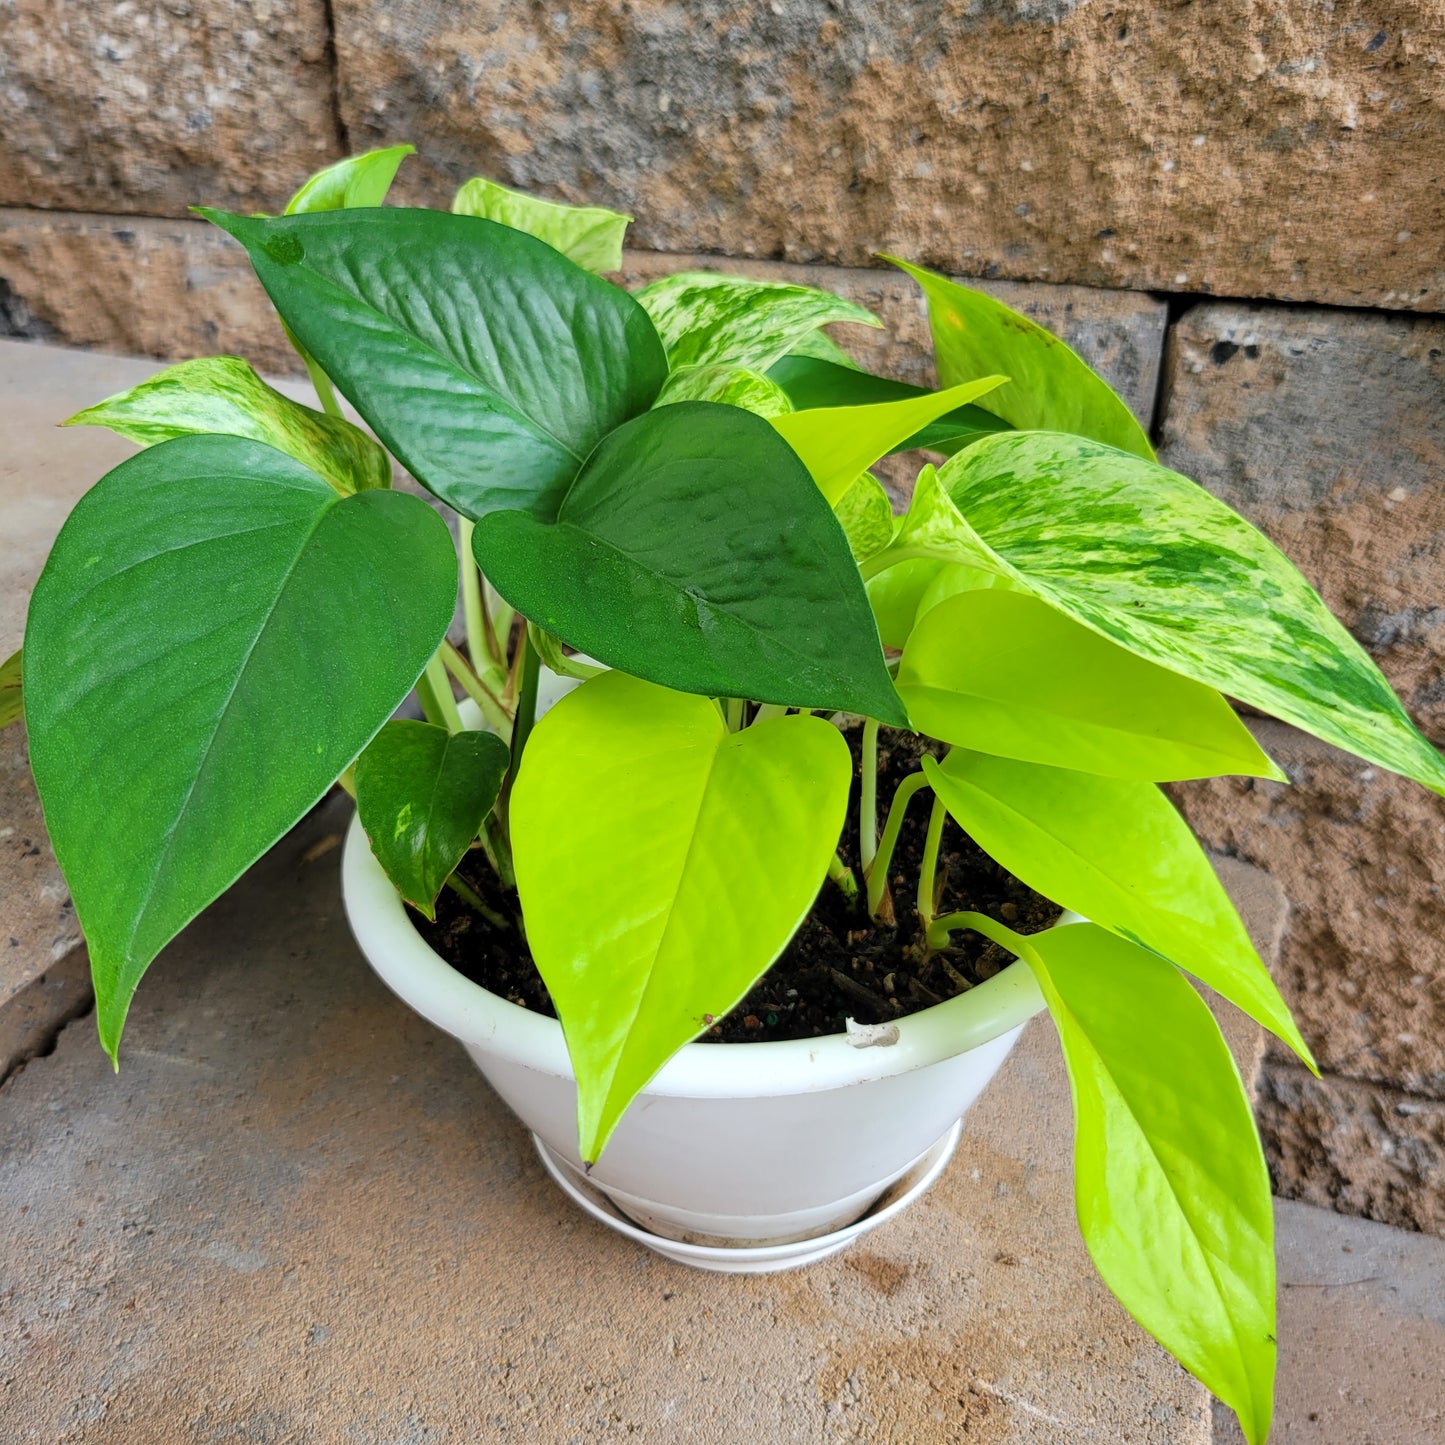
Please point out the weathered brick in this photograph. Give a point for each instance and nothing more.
(1327, 429)
(1242, 147)
(1356, 1148)
(153, 108)
(1361, 856)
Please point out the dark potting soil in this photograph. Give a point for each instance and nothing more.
(839, 965)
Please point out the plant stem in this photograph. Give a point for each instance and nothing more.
(878, 874)
(325, 392)
(768, 711)
(469, 896)
(502, 613)
(868, 796)
(434, 692)
(526, 718)
(991, 929)
(928, 872)
(842, 875)
(498, 719)
(481, 644)
(736, 714)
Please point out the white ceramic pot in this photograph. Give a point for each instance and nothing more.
(748, 1157)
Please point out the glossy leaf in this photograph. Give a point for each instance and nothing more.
(694, 550)
(837, 443)
(706, 319)
(1116, 851)
(223, 395)
(1170, 1183)
(663, 864)
(422, 794)
(283, 624)
(866, 515)
(1004, 673)
(1152, 561)
(1052, 387)
(591, 236)
(894, 596)
(489, 364)
(813, 381)
(729, 385)
(12, 706)
(357, 181)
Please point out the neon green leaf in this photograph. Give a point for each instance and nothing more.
(589, 235)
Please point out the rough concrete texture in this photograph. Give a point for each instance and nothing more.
(1328, 431)
(143, 108)
(298, 1214)
(31, 1017)
(1359, 1148)
(1361, 1334)
(1361, 856)
(1242, 147)
(173, 289)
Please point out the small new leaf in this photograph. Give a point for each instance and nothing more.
(591, 236)
(730, 385)
(357, 181)
(422, 794)
(222, 395)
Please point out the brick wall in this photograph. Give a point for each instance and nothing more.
(1233, 209)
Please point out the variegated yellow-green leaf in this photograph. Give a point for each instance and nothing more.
(11, 700)
(222, 394)
(663, 863)
(589, 235)
(820, 346)
(1115, 850)
(836, 443)
(1004, 673)
(360, 180)
(1152, 561)
(706, 319)
(866, 515)
(1169, 1179)
(1052, 387)
(730, 385)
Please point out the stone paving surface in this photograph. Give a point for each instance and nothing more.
(298, 1214)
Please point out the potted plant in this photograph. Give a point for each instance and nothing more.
(664, 502)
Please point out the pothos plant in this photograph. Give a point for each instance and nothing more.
(675, 485)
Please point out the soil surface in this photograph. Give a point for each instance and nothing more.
(839, 965)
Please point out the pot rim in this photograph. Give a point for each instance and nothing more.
(424, 980)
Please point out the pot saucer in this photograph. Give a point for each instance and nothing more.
(755, 1259)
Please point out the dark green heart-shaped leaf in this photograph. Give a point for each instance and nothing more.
(1152, 561)
(1003, 672)
(706, 319)
(1169, 1178)
(215, 637)
(223, 395)
(1053, 388)
(422, 794)
(1115, 850)
(695, 551)
(699, 851)
(589, 235)
(487, 362)
(812, 382)
(360, 180)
